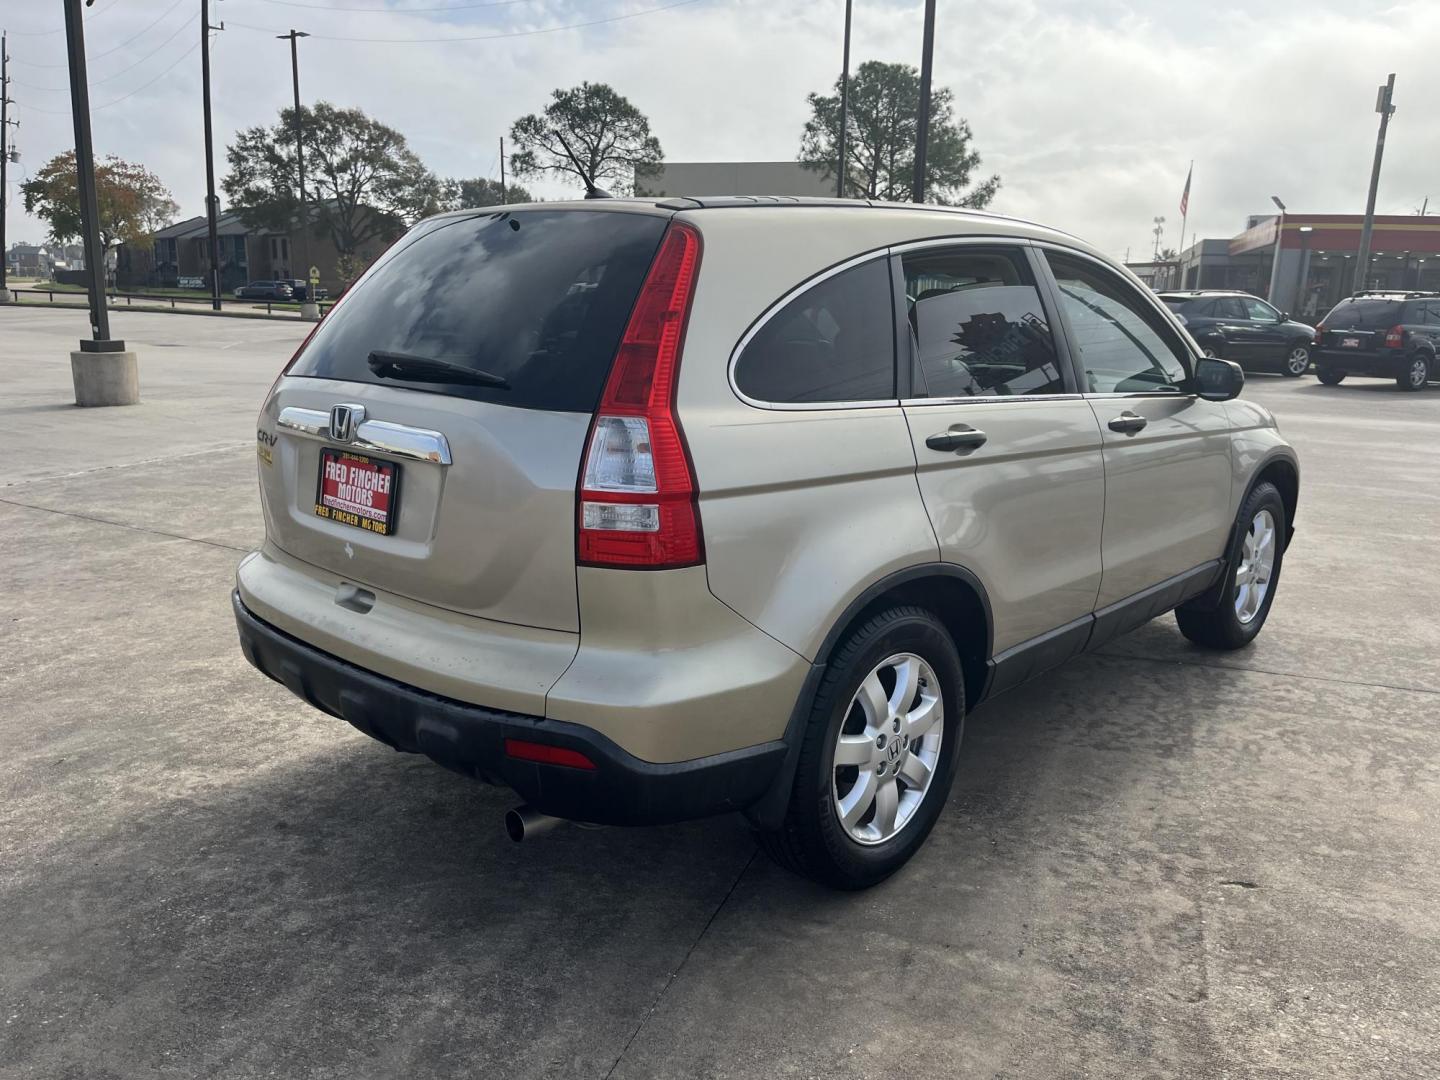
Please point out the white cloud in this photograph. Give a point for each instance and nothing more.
(1090, 111)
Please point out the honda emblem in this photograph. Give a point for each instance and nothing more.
(344, 419)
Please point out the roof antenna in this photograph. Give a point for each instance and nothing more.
(593, 192)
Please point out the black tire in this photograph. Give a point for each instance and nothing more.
(1416, 375)
(1212, 351)
(1292, 366)
(811, 840)
(1330, 376)
(1220, 626)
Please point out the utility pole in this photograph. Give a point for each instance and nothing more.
(1385, 106)
(308, 310)
(844, 106)
(103, 372)
(212, 204)
(922, 129)
(503, 199)
(85, 167)
(5, 123)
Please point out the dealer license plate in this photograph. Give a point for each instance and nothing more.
(1350, 343)
(358, 490)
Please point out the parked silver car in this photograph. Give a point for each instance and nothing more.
(651, 510)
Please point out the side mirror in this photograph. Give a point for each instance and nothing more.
(1218, 380)
(1284, 316)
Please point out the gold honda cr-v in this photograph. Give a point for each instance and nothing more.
(650, 510)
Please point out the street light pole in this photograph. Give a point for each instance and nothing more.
(1385, 106)
(922, 128)
(212, 204)
(844, 106)
(1273, 290)
(309, 309)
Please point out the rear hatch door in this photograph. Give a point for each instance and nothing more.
(1359, 325)
(465, 366)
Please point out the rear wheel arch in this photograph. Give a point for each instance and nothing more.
(952, 593)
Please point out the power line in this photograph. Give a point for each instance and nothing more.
(400, 11)
(61, 29)
(115, 48)
(116, 74)
(479, 37)
(143, 86)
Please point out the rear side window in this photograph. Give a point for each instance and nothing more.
(537, 298)
(977, 327)
(1363, 314)
(833, 342)
(1421, 312)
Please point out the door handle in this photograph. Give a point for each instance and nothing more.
(959, 437)
(1128, 422)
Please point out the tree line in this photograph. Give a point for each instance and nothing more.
(364, 183)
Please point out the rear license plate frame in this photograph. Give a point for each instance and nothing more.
(1350, 343)
(326, 505)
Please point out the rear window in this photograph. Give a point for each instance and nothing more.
(538, 298)
(1363, 315)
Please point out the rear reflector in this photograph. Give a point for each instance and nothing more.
(638, 506)
(546, 754)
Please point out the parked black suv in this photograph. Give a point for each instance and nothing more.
(1393, 335)
(300, 289)
(1243, 328)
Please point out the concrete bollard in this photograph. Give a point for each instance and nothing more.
(310, 312)
(105, 378)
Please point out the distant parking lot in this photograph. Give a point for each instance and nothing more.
(1157, 861)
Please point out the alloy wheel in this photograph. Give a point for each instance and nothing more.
(1299, 360)
(889, 749)
(1257, 567)
(1419, 373)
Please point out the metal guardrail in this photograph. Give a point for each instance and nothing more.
(130, 298)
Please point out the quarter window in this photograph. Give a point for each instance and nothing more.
(833, 342)
(977, 327)
(1124, 345)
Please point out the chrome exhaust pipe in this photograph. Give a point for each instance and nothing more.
(525, 823)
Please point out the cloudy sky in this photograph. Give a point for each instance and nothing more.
(1090, 111)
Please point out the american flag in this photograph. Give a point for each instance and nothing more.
(1185, 195)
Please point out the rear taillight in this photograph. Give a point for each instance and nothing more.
(1395, 338)
(1319, 334)
(638, 505)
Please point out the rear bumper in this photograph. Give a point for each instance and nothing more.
(621, 789)
(1389, 364)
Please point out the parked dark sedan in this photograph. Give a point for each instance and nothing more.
(1393, 335)
(1244, 328)
(265, 290)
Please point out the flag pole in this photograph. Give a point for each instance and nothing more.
(1184, 216)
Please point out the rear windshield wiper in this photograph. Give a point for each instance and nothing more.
(394, 365)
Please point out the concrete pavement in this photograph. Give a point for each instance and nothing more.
(1156, 862)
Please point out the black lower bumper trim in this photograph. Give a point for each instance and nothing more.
(620, 790)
